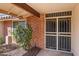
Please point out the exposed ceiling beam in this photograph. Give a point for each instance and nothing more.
(26, 7)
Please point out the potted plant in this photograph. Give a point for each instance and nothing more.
(23, 36)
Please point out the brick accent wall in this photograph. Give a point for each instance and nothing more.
(37, 25)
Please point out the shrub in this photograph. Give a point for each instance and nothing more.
(23, 36)
(1, 40)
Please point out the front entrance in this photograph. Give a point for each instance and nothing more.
(58, 33)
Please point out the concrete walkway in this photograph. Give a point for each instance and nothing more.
(53, 53)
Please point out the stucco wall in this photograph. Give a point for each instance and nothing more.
(37, 25)
(75, 31)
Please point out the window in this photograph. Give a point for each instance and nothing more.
(51, 25)
(57, 14)
(15, 24)
(58, 31)
(51, 42)
(64, 24)
(22, 23)
(64, 43)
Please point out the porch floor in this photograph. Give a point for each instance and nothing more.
(53, 53)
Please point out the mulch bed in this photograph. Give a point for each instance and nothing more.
(32, 52)
(7, 48)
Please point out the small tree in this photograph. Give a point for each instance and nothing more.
(23, 36)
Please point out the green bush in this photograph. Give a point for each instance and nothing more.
(23, 36)
(1, 40)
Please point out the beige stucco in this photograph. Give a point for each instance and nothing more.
(51, 7)
(75, 31)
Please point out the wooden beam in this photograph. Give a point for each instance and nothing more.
(26, 7)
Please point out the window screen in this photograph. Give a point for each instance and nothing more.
(64, 24)
(51, 25)
(51, 42)
(64, 43)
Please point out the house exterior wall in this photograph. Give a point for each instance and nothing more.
(37, 25)
(75, 31)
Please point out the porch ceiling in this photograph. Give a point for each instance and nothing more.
(51, 7)
(23, 11)
(11, 9)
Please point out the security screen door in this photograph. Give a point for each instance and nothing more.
(58, 33)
